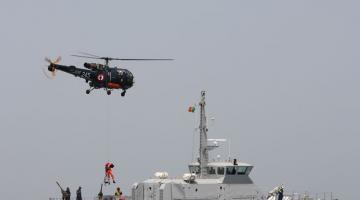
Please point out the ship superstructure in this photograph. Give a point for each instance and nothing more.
(205, 181)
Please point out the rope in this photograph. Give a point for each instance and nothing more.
(108, 129)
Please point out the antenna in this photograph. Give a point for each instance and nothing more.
(203, 151)
(229, 149)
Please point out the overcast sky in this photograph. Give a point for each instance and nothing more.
(281, 77)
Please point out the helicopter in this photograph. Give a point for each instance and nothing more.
(99, 76)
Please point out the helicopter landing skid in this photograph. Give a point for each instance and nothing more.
(89, 90)
(123, 93)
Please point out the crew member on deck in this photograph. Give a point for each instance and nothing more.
(118, 194)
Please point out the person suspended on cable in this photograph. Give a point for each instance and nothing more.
(108, 173)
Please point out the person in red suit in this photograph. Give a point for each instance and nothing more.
(108, 173)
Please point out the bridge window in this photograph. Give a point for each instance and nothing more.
(230, 170)
(211, 170)
(220, 170)
(241, 170)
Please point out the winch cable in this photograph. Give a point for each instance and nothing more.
(107, 133)
(108, 129)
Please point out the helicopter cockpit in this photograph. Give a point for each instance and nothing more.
(94, 66)
(126, 74)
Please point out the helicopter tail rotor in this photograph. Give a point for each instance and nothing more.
(51, 66)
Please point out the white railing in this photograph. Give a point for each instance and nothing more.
(105, 197)
(316, 196)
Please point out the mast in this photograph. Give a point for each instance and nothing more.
(204, 156)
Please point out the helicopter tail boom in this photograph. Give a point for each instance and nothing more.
(82, 73)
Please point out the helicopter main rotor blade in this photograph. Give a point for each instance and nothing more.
(89, 54)
(123, 59)
(137, 59)
(88, 57)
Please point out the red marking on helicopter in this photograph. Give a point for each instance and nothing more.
(100, 77)
(114, 85)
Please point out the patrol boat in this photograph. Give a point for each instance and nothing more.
(225, 180)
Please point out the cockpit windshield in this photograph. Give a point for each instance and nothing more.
(120, 71)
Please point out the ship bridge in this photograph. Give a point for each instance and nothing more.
(229, 172)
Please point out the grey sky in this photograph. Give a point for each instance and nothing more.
(281, 80)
